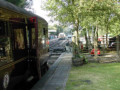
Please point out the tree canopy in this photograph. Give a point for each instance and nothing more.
(101, 15)
(91, 12)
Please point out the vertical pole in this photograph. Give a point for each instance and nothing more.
(117, 45)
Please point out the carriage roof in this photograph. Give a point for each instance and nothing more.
(12, 7)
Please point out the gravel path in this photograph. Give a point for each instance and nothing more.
(56, 77)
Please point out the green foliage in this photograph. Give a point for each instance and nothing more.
(60, 10)
(77, 54)
(58, 28)
(51, 27)
(103, 15)
(88, 12)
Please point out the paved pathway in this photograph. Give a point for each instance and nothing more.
(56, 77)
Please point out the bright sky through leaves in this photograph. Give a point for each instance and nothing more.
(37, 6)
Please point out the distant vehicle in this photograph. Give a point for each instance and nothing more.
(69, 37)
(59, 49)
(112, 45)
(61, 36)
(113, 42)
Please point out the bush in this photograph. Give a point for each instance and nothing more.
(79, 60)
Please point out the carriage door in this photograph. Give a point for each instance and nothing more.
(32, 37)
(20, 51)
(32, 28)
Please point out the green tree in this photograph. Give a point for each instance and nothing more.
(59, 29)
(99, 11)
(67, 13)
(85, 13)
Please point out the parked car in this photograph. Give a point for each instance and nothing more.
(113, 45)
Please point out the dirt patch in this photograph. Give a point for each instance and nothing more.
(82, 81)
(93, 66)
(87, 81)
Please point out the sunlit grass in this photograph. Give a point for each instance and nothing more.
(94, 76)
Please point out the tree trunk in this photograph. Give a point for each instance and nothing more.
(95, 43)
(93, 34)
(86, 39)
(89, 41)
(107, 31)
(107, 37)
(117, 45)
(77, 37)
(103, 45)
(77, 30)
(106, 40)
(97, 35)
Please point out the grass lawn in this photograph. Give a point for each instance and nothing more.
(94, 76)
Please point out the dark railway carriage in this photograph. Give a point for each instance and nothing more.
(23, 48)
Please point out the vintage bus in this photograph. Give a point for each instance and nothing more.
(23, 48)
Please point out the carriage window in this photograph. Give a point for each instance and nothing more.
(44, 42)
(5, 53)
(40, 38)
(2, 30)
(44, 38)
(44, 32)
(33, 38)
(4, 46)
(19, 39)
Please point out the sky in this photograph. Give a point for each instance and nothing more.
(37, 4)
